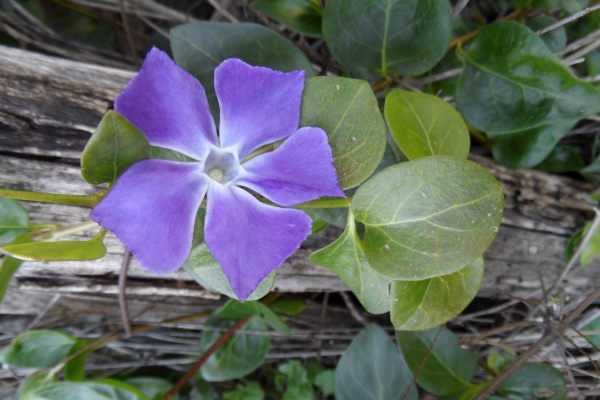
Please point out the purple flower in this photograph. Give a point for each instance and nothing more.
(153, 205)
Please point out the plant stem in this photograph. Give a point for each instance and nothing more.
(68, 199)
(189, 375)
(67, 231)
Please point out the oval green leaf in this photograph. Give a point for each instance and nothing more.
(421, 305)
(239, 356)
(14, 220)
(38, 349)
(59, 251)
(373, 368)
(199, 48)
(202, 266)
(375, 37)
(424, 125)
(428, 217)
(348, 111)
(535, 381)
(101, 390)
(303, 16)
(346, 258)
(114, 147)
(448, 369)
(512, 82)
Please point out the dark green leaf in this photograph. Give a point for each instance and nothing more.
(448, 369)
(573, 6)
(424, 125)
(239, 356)
(289, 307)
(114, 147)
(373, 368)
(234, 309)
(428, 217)
(543, 4)
(512, 82)
(9, 266)
(528, 148)
(563, 158)
(593, 326)
(325, 381)
(203, 267)
(59, 251)
(293, 376)
(14, 220)
(39, 349)
(199, 48)
(420, 305)
(99, 390)
(303, 16)
(151, 386)
(376, 37)
(556, 39)
(168, 154)
(248, 391)
(535, 381)
(346, 258)
(348, 111)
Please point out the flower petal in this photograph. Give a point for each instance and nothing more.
(299, 170)
(258, 105)
(152, 210)
(169, 105)
(249, 239)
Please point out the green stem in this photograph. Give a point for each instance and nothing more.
(69, 199)
(68, 231)
(327, 203)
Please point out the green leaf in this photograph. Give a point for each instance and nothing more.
(373, 368)
(563, 158)
(99, 390)
(512, 82)
(376, 37)
(303, 16)
(448, 369)
(346, 258)
(535, 381)
(114, 147)
(592, 249)
(14, 220)
(593, 326)
(9, 266)
(75, 368)
(38, 349)
(205, 270)
(325, 381)
(421, 305)
(424, 125)
(151, 386)
(289, 307)
(199, 48)
(573, 6)
(35, 382)
(59, 251)
(428, 217)
(249, 391)
(348, 111)
(294, 377)
(528, 148)
(239, 356)
(556, 39)
(234, 309)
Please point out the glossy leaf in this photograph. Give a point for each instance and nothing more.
(348, 111)
(512, 82)
(556, 39)
(421, 305)
(448, 369)
(373, 368)
(75, 368)
(428, 217)
(528, 148)
(115, 146)
(99, 390)
(235, 310)
(346, 258)
(202, 266)
(303, 16)
(239, 356)
(535, 381)
(199, 48)
(38, 349)
(14, 220)
(376, 37)
(59, 251)
(424, 125)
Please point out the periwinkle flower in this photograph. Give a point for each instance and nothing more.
(153, 205)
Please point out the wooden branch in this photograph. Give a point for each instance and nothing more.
(49, 107)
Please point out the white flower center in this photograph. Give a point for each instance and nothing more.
(222, 165)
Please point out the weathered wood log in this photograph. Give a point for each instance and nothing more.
(50, 106)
